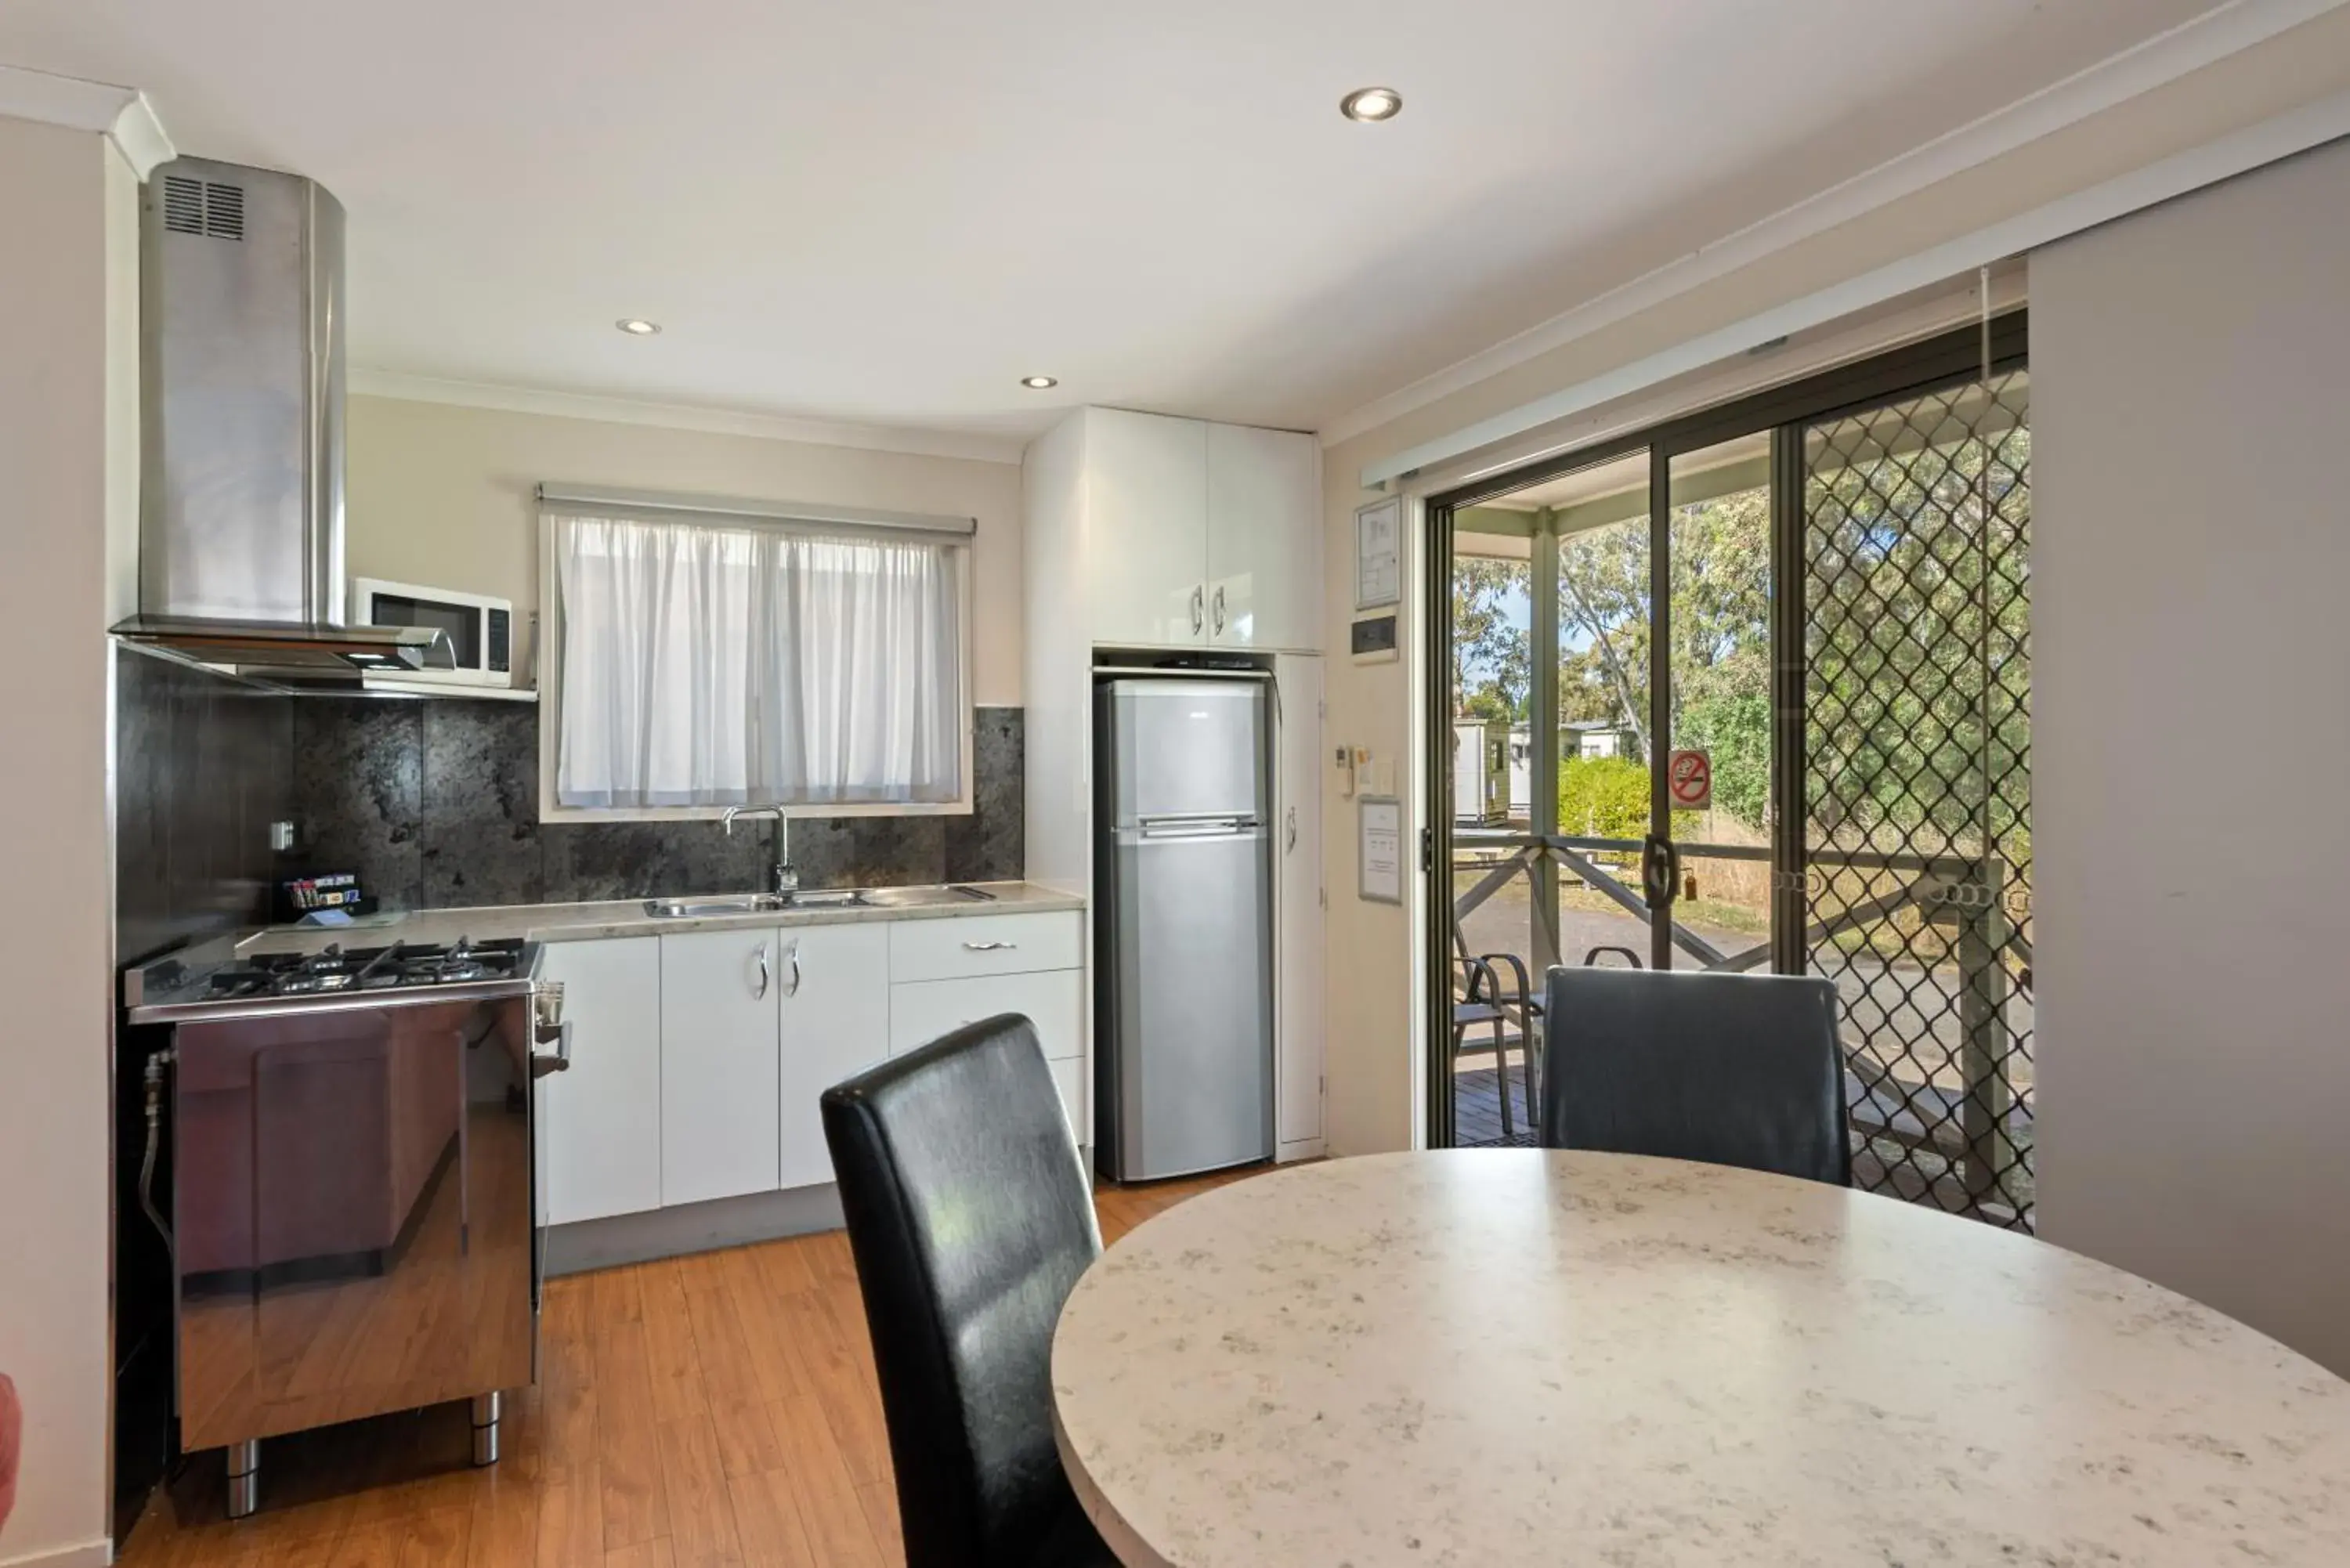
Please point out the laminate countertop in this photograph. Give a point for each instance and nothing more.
(627, 917)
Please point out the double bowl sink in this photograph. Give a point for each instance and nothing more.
(814, 898)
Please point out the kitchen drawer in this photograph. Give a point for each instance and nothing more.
(1069, 1078)
(1054, 1001)
(986, 944)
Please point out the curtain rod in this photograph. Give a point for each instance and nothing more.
(767, 511)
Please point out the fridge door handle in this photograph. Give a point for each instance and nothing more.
(1199, 827)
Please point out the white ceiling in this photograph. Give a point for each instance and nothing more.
(888, 212)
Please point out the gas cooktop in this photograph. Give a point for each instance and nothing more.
(396, 967)
(400, 974)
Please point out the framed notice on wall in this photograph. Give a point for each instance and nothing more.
(1378, 553)
(1381, 860)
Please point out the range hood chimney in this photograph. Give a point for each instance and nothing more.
(241, 531)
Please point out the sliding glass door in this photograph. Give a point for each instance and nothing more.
(1749, 694)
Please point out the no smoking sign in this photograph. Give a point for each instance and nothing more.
(1689, 779)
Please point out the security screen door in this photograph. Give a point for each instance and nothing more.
(1750, 693)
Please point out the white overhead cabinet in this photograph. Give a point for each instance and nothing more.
(1146, 486)
(1265, 539)
(1196, 534)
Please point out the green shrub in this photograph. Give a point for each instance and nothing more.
(1735, 733)
(1603, 797)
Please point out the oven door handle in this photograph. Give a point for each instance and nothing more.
(542, 1064)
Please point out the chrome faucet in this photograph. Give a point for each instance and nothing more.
(783, 880)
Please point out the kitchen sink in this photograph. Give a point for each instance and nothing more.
(828, 899)
(709, 909)
(755, 903)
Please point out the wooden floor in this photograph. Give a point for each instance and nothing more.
(717, 1409)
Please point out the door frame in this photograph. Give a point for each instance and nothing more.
(1947, 359)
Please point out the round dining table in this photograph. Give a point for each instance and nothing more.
(1484, 1357)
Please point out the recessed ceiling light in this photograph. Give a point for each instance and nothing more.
(1371, 104)
(638, 326)
(1039, 383)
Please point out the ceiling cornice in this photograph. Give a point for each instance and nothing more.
(121, 114)
(2296, 130)
(963, 444)
(2164, 59)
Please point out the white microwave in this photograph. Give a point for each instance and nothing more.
(480, 628)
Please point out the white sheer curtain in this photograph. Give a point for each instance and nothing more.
(708, 663)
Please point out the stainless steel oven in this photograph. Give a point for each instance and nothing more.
(350, 1205)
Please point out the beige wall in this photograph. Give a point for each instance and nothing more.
(1370, 1053)
(2190, 556)
(68, 467)
(442, 495)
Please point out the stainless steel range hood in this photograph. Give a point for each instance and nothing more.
(241, 531)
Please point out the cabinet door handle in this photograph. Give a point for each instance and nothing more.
(793, 953)
(990, 947)
(1219, 610)
(1293, 828)
(763, 976)
(1199, 598)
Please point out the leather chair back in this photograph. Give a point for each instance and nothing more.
(971, 1220)
(1734, 1069)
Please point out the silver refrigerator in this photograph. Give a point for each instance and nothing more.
(1183, 1068)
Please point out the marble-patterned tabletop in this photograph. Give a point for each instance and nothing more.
(1488, 1356)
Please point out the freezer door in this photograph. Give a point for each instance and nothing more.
(1190, 1012)
(1186, 749)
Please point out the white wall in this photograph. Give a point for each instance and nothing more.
(442, 494)
(71, 316)
(2192, 562)
(1370, 1070)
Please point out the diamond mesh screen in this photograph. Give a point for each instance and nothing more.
(1917, 786)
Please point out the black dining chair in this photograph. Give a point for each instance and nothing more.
(1735, 1069)
(970, 1220)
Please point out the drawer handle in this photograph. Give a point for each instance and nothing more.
(990, 947)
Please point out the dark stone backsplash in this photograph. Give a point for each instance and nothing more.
(434, 803)
(201, 769)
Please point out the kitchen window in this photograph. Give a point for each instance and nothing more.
(703, 654)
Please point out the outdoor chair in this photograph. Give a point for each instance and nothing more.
(1480, 1001)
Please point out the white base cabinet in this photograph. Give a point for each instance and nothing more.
(836, 1023)
(600, 1129)
(699, 1060)
(721, 1136)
